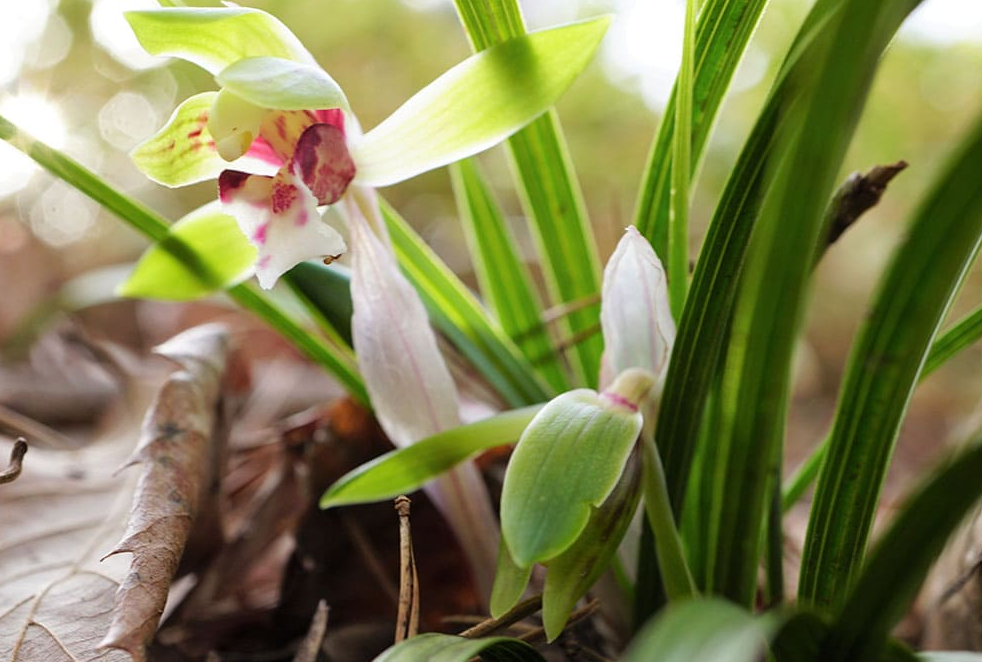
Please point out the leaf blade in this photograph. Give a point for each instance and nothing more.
(407, 469)
(703, 629)
(431, 130)
(503, 278)
(883, 370)
(449, 648)
(898, 565)
(160, 274)
(551, 196)
(772, 292)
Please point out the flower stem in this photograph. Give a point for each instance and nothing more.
(676, 577)
(155, 228)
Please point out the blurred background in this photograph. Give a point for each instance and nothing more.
(71, 72)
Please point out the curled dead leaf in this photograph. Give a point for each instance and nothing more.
(174, 451)
(62, 514)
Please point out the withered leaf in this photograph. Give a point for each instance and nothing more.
(60, 518)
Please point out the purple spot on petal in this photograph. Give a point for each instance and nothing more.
(259, 236)
(263, 262)
(229, 182)
(301, 218)
(282, 196)
(322, 160)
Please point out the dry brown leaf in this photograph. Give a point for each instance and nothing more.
(60, 518)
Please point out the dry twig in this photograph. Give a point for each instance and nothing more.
(10, 474)
(407, 620)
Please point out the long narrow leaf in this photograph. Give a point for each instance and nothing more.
(702, 329)
(407, 469)
(678, 218)
(772, 293)
(900, 562)
(962, 334)
(503, 278)
(883, 370)
(551, 196)
(456, 312)
(722, 32)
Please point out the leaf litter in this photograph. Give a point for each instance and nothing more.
(65, 592)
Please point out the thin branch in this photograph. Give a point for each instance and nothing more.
(407, 620)
(311, 644)
(10, 474)
(510, 617)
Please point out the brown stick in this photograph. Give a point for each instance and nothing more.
(407, 618)
(16, 461)
(311, 644)
(510, 617)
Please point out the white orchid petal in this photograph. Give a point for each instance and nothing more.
(637, 322)
(279, 216)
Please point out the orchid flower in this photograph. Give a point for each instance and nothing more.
(282, 140)
(635, 315)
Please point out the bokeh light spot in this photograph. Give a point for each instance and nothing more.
(113, 33)
(37, 116)
(62, 215)
(53, 45)
(126, 119)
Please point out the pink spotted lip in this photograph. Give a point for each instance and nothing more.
(322, 161)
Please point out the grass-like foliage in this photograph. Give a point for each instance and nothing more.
(686, 411)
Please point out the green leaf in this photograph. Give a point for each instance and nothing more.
(703, 329)
(214, 38)
(272, 82)
(571, 574)
(162, 274)
(723, 30)
(963, 333)
(407, 469)
(552, 200)
(703, 629)
(457, 314)
(772, 293)
(452, 117)
(505, 282)
(678, 218)
(883, 369)
(568, 460)
(510, 582)
(328, 289)
(435, 647)
(898, 565)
